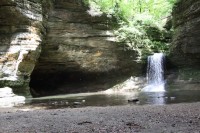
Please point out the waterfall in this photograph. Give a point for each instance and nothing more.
(155, 73)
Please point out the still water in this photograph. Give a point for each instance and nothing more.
(153, 94)
(103, 99)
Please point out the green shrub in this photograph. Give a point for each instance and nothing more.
(140, 22)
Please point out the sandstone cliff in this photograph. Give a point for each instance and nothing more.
(186, 46)
(185, 50)
(80, 52)
(59, 46)
(21, 35)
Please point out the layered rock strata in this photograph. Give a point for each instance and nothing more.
(185, 51)
(80, 52)
(21, 35)
(186, 47)
(62, 46)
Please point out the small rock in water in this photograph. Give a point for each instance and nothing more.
(76, 103)
(83, 101)
(133, 100)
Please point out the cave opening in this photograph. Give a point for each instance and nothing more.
(44, 84)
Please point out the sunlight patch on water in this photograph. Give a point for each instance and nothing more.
(154, 88)
(68, 96)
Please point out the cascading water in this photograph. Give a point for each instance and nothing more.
(155, 73)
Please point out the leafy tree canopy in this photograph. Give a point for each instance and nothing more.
(141, 22)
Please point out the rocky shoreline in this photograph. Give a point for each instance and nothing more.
(182, 118)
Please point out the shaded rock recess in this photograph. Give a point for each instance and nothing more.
(80, 52)
(59, 46)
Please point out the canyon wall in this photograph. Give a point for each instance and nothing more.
(21, 35)
(60, 46)
(80, 52)
(185, 50)
(186, 47)
(63, 46)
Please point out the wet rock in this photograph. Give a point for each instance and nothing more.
(134, 100)
(77, 103)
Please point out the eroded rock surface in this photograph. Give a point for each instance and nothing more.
(80, 52)
(21, 35)
(185, 50)
(186, 21)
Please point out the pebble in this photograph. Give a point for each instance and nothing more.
(173, 125)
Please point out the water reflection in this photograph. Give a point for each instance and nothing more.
(169, 97)
(82, 99)
(152, 98)
(115, 99)
(103, 99)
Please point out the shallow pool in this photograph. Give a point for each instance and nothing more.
(114, 99)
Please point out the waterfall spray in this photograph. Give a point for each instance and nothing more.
(155, 73)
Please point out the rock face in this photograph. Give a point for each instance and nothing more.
(62, 46)
(21, 35)
(185, 52)
(186, 46)
(9, 99)
(80, 52)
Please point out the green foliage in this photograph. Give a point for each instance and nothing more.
(129, 8)
(137, 37)
(140, 22)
